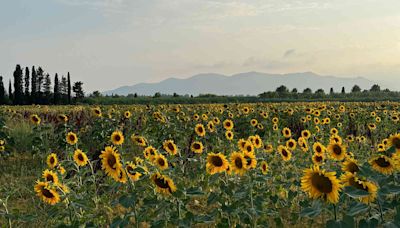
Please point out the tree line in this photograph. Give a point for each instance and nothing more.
(34, 86)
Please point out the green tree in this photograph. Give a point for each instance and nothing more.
(27, 95)
(56, 93)
(375, 88)
(307, 91)
(10, 93)
(343, 90)
(18, 86)
(282, 89)
(2, 92)
(78, 90)
(33, 86)
(69, 89)
(356, 89)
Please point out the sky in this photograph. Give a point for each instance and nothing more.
(112, 43)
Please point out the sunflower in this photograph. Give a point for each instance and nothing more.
(291, 144)
(229, 135)
(268, 148)
(150, 153)
(117, 138)
(228, 124)
(350, 179)
(97, 112)
(334, 131)
(216, 120)
(275, 127)
(127, 114)
(200, 130)
(382, 164)
(110, 162)
(336, 139)
(46, 193)
(248, 147)
(211, 126)
(170, 147)
(381, 147)
(50, 176)
(251, 161)
(138, 140)
(394, 141)
(238, 163)
(337, 151)
(306, 134)
(71, 138)
(62, 118)
(257, 142)
(161, 162)
(371, 126)
(130, 170)
(164, 184)
(264, 167)
(35, 119)
(350, 165)
(286, 132)
(80, 157)
(318, 159)
(52, 160)
(197, 147)
(61, 170)
(241, 143)
(216, 163)
(285, 152)
(253, 122)
(122, 177)
(321, 184)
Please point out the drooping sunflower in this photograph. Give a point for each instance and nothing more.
(318, 159)
(321, 184)
(161, 162)
(138, 140)
(229, 135)
(80, 157)
(286, 132)
(164, 184)
(275, 127)
(268, 148)
(197, 147)
(238, 163)
(251, 161)
(383, 164)
(211, 126)
(372, 126)
(394, 141)
(110, 162)
(35, 119)
(130, 171)
(52, 160)
(228, 124)
(200, 130)
(257, 142)
(127, 114)
(117, 138)
(97, 112)
(350, 165)
(62, 118)
(350, 179)
(46, 193)
(285, 152)
(291, 144)
(241, 143)
(71, 138)
(216, 163)
(337, 151)
(170, 147)
(50, 176)
(264, 167)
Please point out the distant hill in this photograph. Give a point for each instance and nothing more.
(250, 83)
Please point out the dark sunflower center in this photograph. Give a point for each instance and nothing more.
(337, 149)
(284, 153)
(117, 138)
(196, 146)
(248, 148)
(318, 158)
(382, 162)
(396, 142)
(130, 170)
(50, 178)
(291, 144)
(72, 138)
(257, 141)
(200, 129)
(357, 185)
(170, 146)
(47, 193)
(52, 160)
(353, 167)
(80, 157)
(264, 167)
(322, 183)
(216, 161)
(160, 182)
(161, 162)
(111, 161)
(238, 163)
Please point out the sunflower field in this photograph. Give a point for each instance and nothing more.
(322, 164)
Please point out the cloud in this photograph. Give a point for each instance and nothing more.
(289, 53)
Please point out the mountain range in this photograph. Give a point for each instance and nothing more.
(249, 83)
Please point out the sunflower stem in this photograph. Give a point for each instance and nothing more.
(334, 211)
(380, 210)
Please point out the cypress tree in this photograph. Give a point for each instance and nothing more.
(47, 89)
(56, 90)
(64, 90)
(2, 91)
(27, 97)
(18, 86)
(33, 85)
(69, 89)
(10, 93)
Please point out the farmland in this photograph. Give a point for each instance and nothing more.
(298, 164)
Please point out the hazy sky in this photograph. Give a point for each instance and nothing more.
(110, 43)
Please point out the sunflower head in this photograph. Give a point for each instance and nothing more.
(50, 176)
(285, 152)
(382, 164)
(264, 167)
(47, 193)
(228, 124)
(238, 163)
(394, 141)
(71, 138)
(80, 157)
(229, 135)
(350, 179)
(35, 119)
(200, 130)
(337, 151)
(170, 147)
(52, 160)
(197, 147)
(117, 138)
(161, 162)
(163, 184)
(286, 132)
(111, 163)
(318, 159)
(350, 165)
(216, 163)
